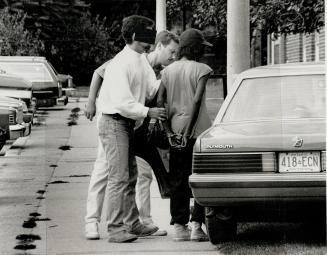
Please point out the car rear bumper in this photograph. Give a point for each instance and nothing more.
(237, 189)
(17, 131)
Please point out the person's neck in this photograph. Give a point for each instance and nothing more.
(153, 59)
(132, 47)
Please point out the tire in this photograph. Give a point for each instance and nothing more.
(221, 225)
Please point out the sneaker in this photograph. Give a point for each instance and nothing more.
(159, 232)
(197, 234)
(143, 230)
(92, 231)
(121, 237)
(182, 233)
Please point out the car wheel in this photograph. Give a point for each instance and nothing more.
(221, 224)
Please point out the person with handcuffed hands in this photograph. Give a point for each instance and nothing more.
(182, 91)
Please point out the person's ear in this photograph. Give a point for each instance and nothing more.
(133, 36)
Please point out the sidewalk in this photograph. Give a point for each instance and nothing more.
(64, 177)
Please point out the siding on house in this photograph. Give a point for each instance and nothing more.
(298, 48)
(310, 47)
(322, 45)
(294, 48)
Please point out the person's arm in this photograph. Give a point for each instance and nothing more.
(95, 86)
(195, 107)
(161, 99)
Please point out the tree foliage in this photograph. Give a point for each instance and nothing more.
(271, 16)
(74, 41)
(287, 16)
(14, 38)
(86, 45)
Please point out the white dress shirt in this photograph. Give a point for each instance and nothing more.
(128, 81)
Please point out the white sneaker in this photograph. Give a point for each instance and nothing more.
(159, 232)
(197, 234)
(92, 231)
(182, 233)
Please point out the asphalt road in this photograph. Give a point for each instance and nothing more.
(43, 187)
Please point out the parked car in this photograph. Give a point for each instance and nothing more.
(17, 87)
(47, 87)
(264, 158)
(18, 127)
(4, 125)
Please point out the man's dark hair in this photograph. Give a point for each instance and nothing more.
(132, 24)
(165, 37)
(191, 52)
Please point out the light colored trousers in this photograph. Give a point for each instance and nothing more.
(98, 185)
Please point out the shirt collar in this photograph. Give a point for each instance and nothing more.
(131, 52)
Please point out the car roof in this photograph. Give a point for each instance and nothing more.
(11, 80)
(23, 59)
(285, 69)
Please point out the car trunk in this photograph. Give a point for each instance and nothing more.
(260, 136)
(42, 90)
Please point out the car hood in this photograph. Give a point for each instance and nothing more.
(277, 135)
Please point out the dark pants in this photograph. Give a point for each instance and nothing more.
(180, 169)
(151, 155)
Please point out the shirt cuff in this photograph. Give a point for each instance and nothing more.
(145, 111)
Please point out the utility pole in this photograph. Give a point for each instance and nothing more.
(238, 38)
(161, 15)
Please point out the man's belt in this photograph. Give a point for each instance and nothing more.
(117, 116)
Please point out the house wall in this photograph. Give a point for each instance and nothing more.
(297, 48)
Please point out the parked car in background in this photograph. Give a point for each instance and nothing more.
(65, 79)
(264, 158)
(4, 125)
(17, 87)
(47, 87)
(18, 127)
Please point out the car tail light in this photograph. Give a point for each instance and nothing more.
(59, 89)
(269, 162)
(24, 106)
(19, 115)
(323, 160)
(234, 162)
(11, 119)
(33, 101)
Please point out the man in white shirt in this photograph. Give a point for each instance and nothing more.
(128, 81)
(164, 53)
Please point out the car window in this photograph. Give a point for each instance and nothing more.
(284, 97)
(30, 71)
(53, 69)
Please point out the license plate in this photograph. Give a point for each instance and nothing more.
(302, 162)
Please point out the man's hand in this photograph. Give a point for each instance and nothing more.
(157, 113)
(90, 110)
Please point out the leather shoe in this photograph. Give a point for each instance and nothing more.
(143, 230)
(121, 237)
